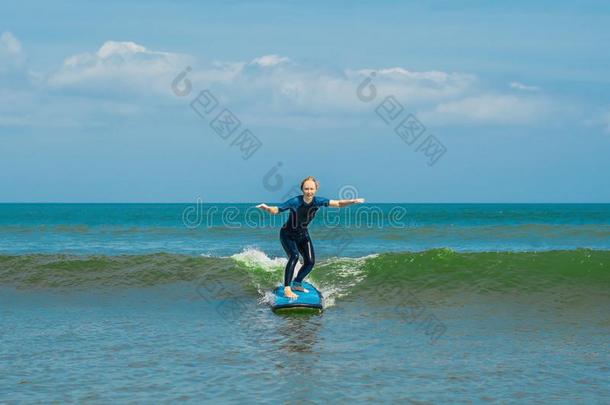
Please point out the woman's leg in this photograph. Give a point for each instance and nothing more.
(309, 258)
(291, 249)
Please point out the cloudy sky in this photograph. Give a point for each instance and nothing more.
(441, 101)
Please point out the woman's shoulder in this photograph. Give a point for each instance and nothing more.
(295, 201)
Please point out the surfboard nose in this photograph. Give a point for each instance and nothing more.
(310, 299)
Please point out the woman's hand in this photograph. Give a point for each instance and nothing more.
(345, 203)
(265, 207)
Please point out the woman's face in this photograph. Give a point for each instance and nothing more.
(309, 189)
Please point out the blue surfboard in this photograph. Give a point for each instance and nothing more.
(309, 301)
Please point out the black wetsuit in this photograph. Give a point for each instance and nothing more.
(295, 237)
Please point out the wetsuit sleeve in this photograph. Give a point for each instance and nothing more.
(292, 203)
(322, 201)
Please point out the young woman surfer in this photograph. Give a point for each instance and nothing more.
(294, 235)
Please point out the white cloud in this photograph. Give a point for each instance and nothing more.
(30, 108)
(416, 88)
(279, 85)
(10, 44)
(120, 67)
(126, 78)
(275, 85)
(12, 56)
(14, 72)
(490, 109)
(112, 48)
(524, 87)
(269, 60)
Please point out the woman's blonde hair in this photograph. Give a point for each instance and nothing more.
(310, 178)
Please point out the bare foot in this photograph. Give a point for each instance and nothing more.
(300, 288)
(289, 294)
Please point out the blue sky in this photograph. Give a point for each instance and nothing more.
(517, 94)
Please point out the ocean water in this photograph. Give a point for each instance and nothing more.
(424, 303)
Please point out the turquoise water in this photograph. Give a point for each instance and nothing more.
(226, 229)
(448, 303)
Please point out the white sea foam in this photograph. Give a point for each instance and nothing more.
(253, 257)
(347, 273)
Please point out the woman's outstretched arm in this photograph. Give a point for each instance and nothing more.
(265, 207)
(345, 203)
